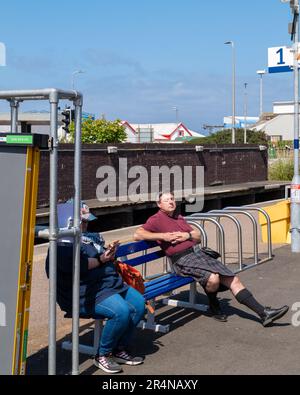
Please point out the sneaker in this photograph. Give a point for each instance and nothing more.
(217, 313)
(127, 359)
(107, 363)
(215, 308)
(270, 315)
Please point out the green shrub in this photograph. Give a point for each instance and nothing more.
(225, 137)
(100, 131)
(281, 170)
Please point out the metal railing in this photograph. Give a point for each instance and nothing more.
(204, 218)
(216, 215)
(254, 227)
(266, 215)
(54, 234)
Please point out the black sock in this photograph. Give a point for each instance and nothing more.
(212, 298)
(246, 298)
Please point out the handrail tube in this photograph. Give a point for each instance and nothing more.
(254, 224)
(270, 249)
(77, 239)
(38, 94)
(238, 226)
(202, 230)
(43, 232)
(219, 226)
(53, 238)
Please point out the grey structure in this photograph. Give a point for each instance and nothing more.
(54, 234)
(11, 209)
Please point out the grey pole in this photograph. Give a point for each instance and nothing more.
(261, 73)
(261, 95)
(245, 114)
(295, 188)
(233, 93)
(176, 111)
(233, 89)
(53, 232)
(73, 77)
(77, 239)
(14, 105)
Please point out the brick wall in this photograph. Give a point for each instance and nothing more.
(222, 165)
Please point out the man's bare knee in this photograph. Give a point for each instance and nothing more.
(213, 283)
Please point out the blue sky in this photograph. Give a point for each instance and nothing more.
(142, 58)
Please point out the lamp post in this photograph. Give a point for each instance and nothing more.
(233, 88)
(176, 110)
(245, 113)
(73, 77)
(261, 73)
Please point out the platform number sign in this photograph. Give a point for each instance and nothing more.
(280, 59)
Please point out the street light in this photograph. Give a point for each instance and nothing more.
(245, 114)
(73, 75)
(261, 73)
(176, 110)
(233, 88)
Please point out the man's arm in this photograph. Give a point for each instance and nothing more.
(193, 235)
(142, 234)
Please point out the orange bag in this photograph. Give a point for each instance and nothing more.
(133, 278)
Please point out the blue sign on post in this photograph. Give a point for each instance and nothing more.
(88, 115)
(280, 59)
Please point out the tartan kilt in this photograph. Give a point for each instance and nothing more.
(200, 266)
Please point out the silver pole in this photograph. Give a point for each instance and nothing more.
(233, 90)
(14, 105)
(77, 239)
(53, 231)
(261, 95)
(233, 93)
(295, 198)
(245, 115)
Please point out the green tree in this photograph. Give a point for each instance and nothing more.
(224, 136)
(100, 131)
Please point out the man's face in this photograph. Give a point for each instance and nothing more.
(167, 203)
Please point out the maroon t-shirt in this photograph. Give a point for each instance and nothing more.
(163, 223)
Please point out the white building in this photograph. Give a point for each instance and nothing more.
(240, 122)
(279, 125)
(30, 122)
(158, 133)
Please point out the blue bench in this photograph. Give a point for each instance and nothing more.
(166, 283)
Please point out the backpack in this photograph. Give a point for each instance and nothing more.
(134, 279)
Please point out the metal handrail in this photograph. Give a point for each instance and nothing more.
(218, 225)
(238, 226)
(254, 223)
(269, 231)
(202, 230)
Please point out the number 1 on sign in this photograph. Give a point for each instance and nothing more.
(280, 52)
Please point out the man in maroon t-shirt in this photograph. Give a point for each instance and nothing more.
(180, 242)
